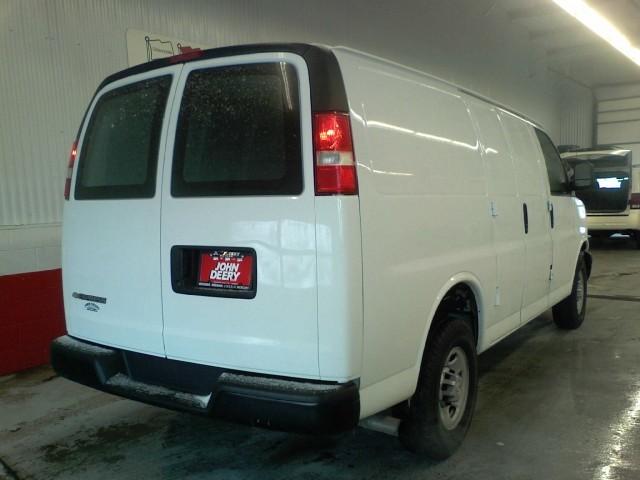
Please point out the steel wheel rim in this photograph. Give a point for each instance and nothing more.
(454, 388)
(580, 293)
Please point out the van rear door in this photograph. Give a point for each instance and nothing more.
(111, 247)
(238, 242)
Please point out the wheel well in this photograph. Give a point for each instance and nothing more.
(458, 302)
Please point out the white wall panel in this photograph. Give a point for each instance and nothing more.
(619, 132)
(618, 91)
(618, 104)
(635, 153)
(29, 248)
(619, 117)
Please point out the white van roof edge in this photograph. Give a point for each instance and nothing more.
(464, 90)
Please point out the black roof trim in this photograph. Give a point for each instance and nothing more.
(327, 87)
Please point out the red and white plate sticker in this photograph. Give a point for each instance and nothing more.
(226, 269)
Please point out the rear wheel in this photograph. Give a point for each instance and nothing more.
(569, 314)
(636, 237)
(440, 411)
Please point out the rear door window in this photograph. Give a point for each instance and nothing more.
(119, 156)
(238, 133)
(610, 192)
(558, 181)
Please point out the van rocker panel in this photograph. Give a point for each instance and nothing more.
(287, 404)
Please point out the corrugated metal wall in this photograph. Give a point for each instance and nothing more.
(54, 53)
(576, 114)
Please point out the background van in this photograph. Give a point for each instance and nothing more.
(613, 201)
(305, 238)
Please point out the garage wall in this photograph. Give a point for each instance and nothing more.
(618, 117)
(54, 53)
(576, 117)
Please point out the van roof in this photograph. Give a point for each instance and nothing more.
(327, 93)
(460, 89)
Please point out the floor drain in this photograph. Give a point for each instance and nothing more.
(622, 298)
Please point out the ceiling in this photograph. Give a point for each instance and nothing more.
(571, 49)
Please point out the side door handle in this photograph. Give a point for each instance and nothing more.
(551, 214)
(525, 214)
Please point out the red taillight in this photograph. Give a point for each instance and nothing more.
(72, 160)
(634, 201)
(333, 151)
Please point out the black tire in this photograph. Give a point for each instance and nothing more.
(636, 237)
(567, 314)
(423, 430)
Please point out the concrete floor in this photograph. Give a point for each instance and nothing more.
(552, 405)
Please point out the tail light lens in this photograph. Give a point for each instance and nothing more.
(634, 201)
(72, 161)
(335, 169)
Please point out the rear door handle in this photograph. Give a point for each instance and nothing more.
(525, 215)
(551, 215)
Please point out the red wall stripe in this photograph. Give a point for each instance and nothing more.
(31, 315)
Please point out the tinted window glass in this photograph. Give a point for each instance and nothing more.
(239, 133)
(119, 155)
(555, 169)
(610, 191)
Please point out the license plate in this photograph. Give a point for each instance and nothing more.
(226, 269)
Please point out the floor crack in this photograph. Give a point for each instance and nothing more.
(623, 298)
(614, 274)
(6, 472)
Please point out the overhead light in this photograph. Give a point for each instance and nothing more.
(602, 27)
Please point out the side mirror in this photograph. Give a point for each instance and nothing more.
(583, 176)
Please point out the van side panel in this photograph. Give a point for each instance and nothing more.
(339, 267)
(566, 246)
(532, 182)
(564, 227)
(423, 205)
(507, 222)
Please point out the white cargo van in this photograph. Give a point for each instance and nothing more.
(307, 238)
